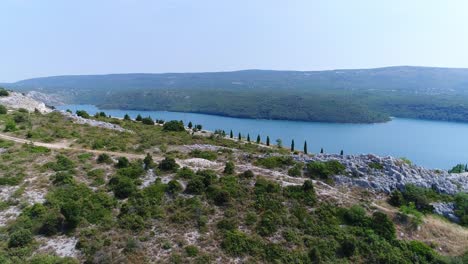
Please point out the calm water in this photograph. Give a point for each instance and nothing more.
(431, 144)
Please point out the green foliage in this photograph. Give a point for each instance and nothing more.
(62, 164)
(296, 170)
(122, 162)
(376, 166)
(62, 178)
(248, 174)
(276, 162)
(104, 158)
(269, 223)
(204, 154)
(148, 162)
(3, 110)
(10, 126)
(20, 238)
(459, 168)
(82, 113)
(51, 259)
(396, 199)
(122, 186)
(229, 168)
(383, 226)
(237, 243)
(174, 125)
(324, 170)
(147, 121)
(304, 194)
(3, 92)
(168, 164)
(191, 251)
(461, 207)
(185, 173)
(174, 186)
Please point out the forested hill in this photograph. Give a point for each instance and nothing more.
(365, 95)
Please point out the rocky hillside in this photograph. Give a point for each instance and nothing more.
(18, 100)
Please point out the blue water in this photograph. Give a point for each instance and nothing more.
(431, 144)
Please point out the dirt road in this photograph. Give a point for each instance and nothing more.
(64, 145)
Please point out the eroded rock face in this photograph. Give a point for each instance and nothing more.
(95, 123)
(18, 100)
(386, 174)
(447, 210)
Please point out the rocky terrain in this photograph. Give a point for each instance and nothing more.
(385, 174)
(18, 100)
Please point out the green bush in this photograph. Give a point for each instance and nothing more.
(248, 174)
(104, 158)
(296, 170)
(324, 170)
(122, 162)
(132, 222)
(195, 186)
(122, 187)
(3, 110)
(61, 178)
(147, 121)
(10, 126)
(4, 92)
(461, 207)
(82, 113)
(62, 164)
(383, 226)
(269, 223)
(174, 125)
(209, 155)
(191, 251)
(276, 162)
(185, 173)
(396, 198)
(174, 186)
(168, 164)
(20, 238)
(229, 168)
(237, 243)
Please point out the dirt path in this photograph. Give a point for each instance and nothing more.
(64, 145)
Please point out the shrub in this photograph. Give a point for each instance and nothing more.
(174, 186)
(237, 243)
(296, 170)
(3, 92)
(61, 178)
(168, 164)
(276, 162)
(3, 110)
(10, 126)
(461, 207)
(122, 162)
(248, 174)
(269, 223)
(132, 222)
(376, 166)
(195, 186)
(20, 238)
(104, 158)
(326, 169)
(229, 168)
(383, 226)
(147, 121)
(191, 250)
(122, 186)
(148, 161)
(185, 173)
(82, 113)
(396, 198)
(174, 125)
(62, 163)
(356, 216)
(209, 155)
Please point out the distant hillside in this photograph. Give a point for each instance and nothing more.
(367, 95)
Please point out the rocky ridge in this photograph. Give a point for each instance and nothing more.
(385, 174)
(18, 100)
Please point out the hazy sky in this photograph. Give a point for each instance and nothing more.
(56, 37)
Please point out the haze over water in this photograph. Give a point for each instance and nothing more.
(432, 144)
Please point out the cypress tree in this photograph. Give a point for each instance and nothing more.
(190, 125)
(231, 135)
(258, 139)
(139, 118)
(126, 117)
(292, 145)
(305, 147)
(248, 137)
(341, 153)
(239, 137)
(268, 141)
(321, 151)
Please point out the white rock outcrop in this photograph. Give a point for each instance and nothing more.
(18, 100)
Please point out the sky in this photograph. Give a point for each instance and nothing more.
(57, 37)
